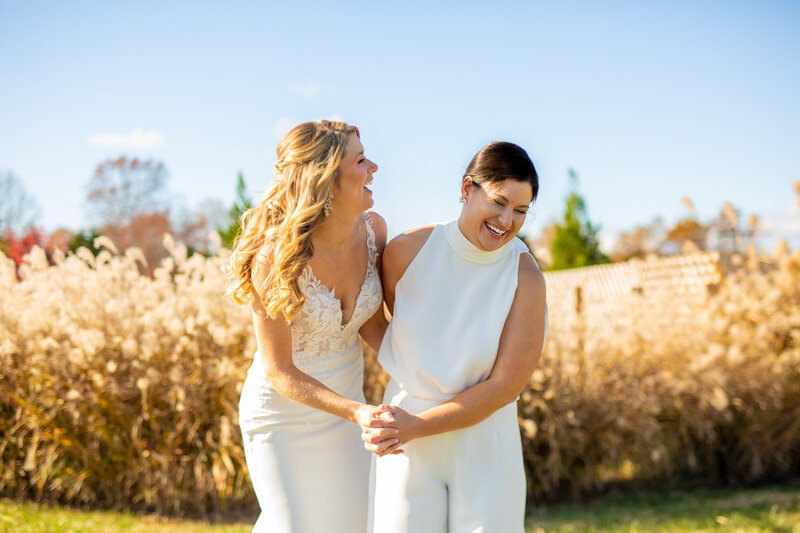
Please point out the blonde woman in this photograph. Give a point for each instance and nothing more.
(308, 261)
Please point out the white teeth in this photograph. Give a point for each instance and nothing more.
(495, 229)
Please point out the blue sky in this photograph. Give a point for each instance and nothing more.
(647, 101)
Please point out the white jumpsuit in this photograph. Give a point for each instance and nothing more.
(309, 468)
(450, 308)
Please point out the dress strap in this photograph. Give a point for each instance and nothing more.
(371, 246)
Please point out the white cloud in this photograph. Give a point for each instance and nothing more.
(138, 138)
(304, 89)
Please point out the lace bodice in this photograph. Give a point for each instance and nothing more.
(318, 331)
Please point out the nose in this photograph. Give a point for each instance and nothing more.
(505, 218)
(372, 166)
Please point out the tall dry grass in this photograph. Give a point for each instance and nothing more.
(708, 390)
(121, 390)
(118, 389)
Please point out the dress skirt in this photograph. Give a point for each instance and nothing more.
(309, 468)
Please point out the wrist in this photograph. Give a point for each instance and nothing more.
(421, 428)
(353, 410)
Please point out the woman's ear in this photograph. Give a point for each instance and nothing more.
(466, 187)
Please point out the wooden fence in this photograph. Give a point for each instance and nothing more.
(599, 298)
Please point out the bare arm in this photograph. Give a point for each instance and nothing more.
(518, 354)
(372, 330)
(397, 257)
(274, 338)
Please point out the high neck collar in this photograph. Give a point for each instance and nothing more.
(468, 251)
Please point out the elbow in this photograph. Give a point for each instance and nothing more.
(280, 378)
(509, 397)
(507, 394)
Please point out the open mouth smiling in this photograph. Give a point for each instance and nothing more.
(495, 230)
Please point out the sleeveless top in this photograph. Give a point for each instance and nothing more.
(450, 308)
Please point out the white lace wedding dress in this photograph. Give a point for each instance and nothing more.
(309, 468)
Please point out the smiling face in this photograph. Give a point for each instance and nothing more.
(494, 211)
(350, 192)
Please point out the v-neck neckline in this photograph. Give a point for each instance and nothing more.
(332, 293)
(370, 244)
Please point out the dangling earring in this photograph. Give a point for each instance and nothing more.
(327, 206)
(462, 199)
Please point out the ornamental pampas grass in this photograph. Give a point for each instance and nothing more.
(120, 390)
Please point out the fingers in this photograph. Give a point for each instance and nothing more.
(393, 449)
(376, 435)
(381, 448)
(376, 423)
(385, 413)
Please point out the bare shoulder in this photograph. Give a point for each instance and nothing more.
(399, 254)
(405, 247)
(530, 278)
(377, 222)
(378, 225)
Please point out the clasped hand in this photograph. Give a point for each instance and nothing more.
(386, 429)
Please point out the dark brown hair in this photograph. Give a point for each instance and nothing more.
(499, 161)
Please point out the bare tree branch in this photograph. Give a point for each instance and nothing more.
(18, 209)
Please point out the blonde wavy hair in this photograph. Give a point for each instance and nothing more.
(292, 208)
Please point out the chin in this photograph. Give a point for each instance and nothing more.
(491, 247)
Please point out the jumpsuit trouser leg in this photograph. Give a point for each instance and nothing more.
(466, 481)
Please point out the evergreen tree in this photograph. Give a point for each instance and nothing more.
(575, 243)
(241, 204)
(86, 239)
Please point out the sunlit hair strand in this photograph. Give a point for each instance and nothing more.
(292, 208)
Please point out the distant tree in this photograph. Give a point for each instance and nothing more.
(241, 203)
(685, 230)
(575, 243)
(192, 227)
(127, 201)
(122, 191)
(639, 242)
(59, 239)
(631, 244)
(16, 247)
(86, 239)
(18, 209)
(147, 233)
(542, 246)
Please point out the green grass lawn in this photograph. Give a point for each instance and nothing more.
(770, 509)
